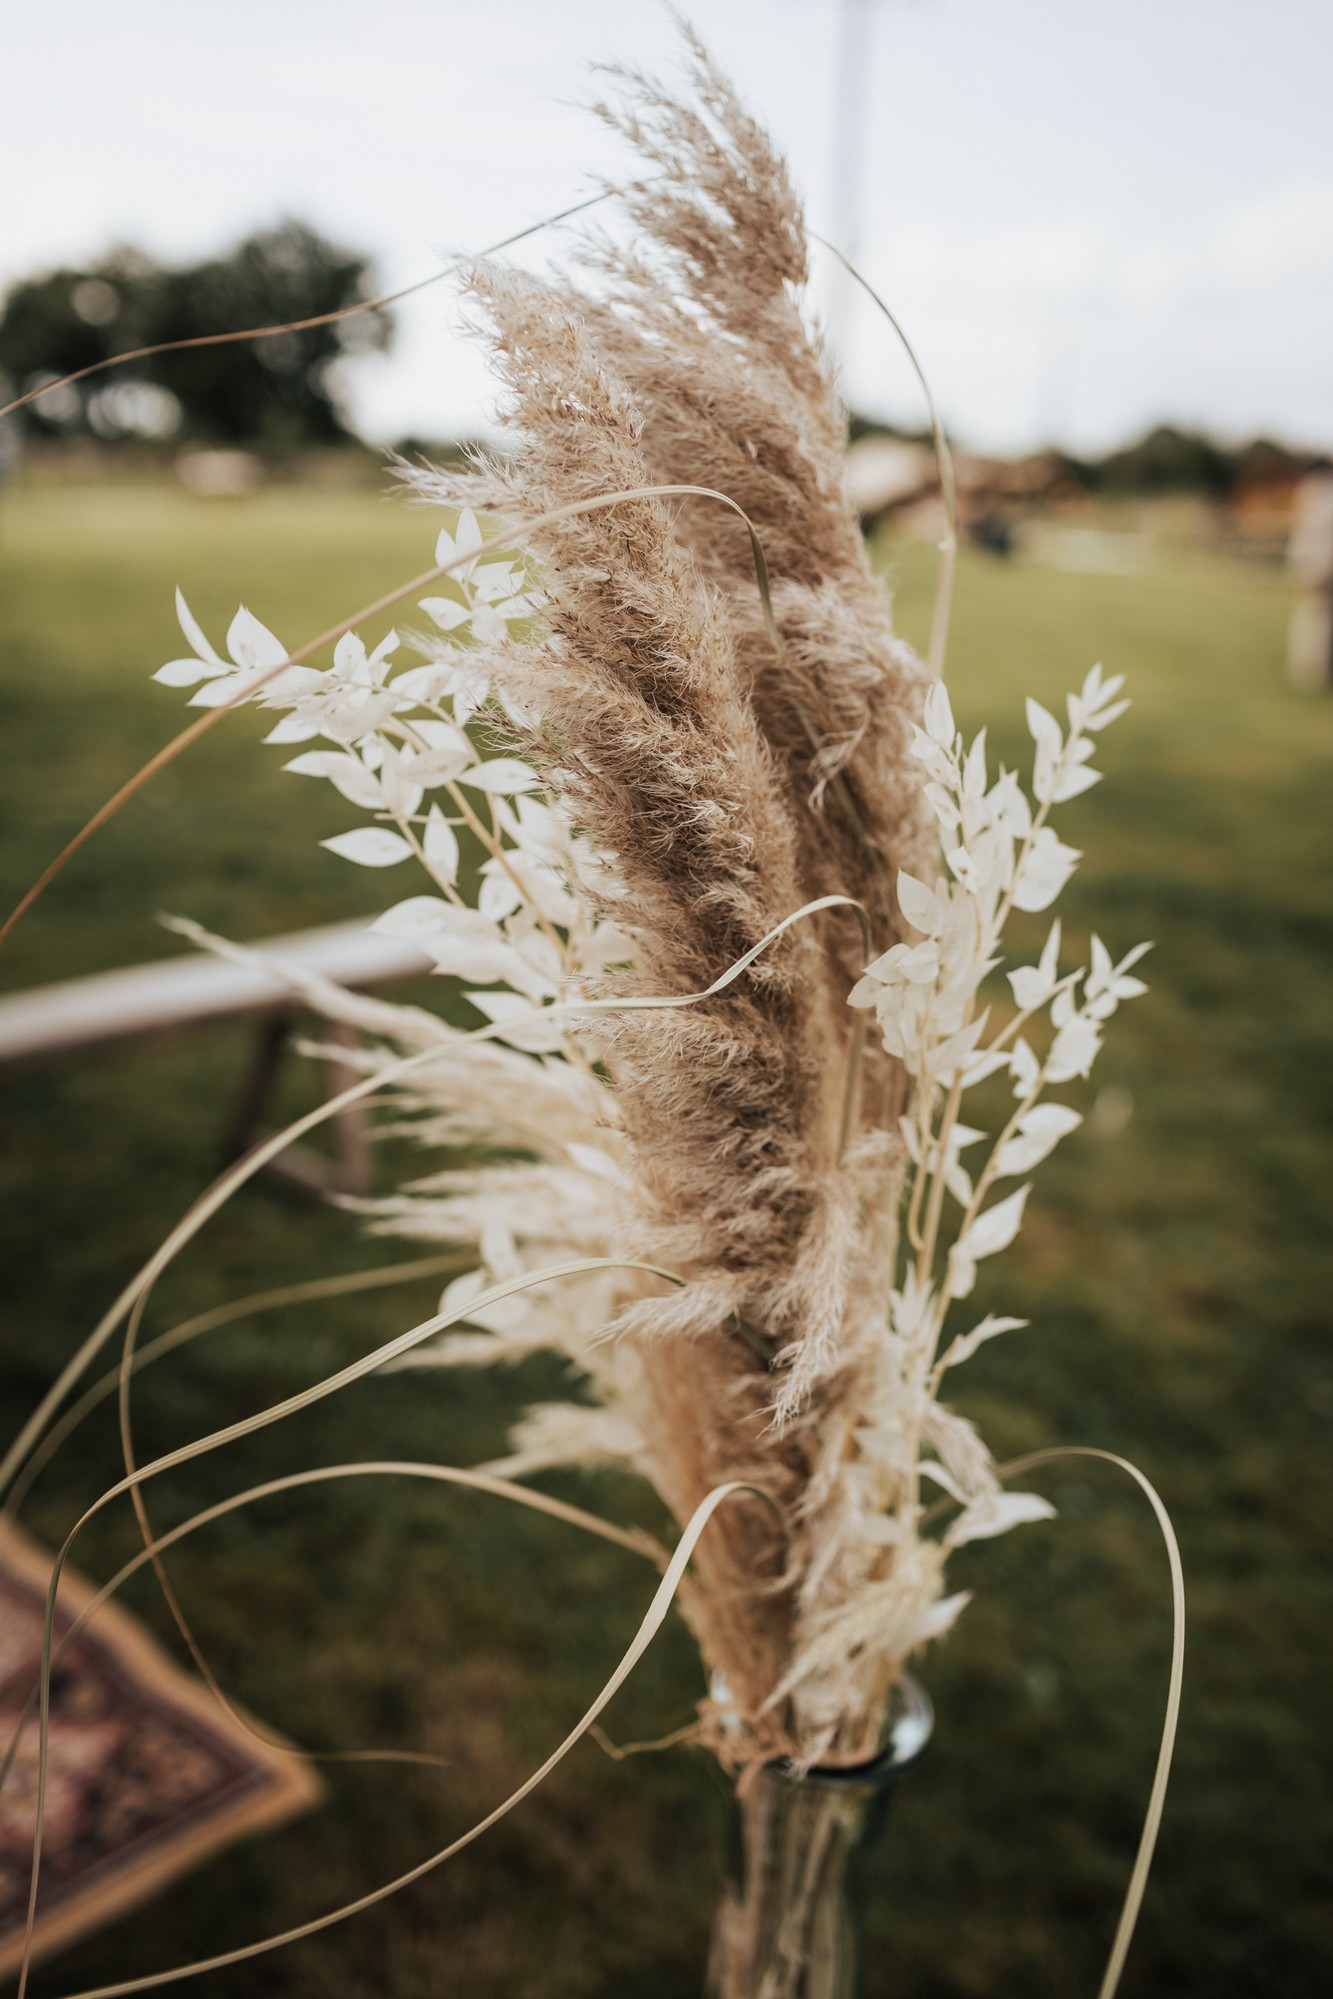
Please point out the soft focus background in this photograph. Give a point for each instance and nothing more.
(1110, 235)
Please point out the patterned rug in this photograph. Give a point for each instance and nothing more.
(147, 1774)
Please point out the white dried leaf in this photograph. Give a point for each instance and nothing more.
(521, 1026)
(1039, 1131)
(505, 775)
(995, 1228)
(420, 918)
(188, 672)
(995, 1513)
(370, 847)
(252, 644)
(344, 771)
(192, 629)
(1075, 778)
(938, 716)
(1045, 869)
(988, 1328)
(974, 769)
(292, 729)
(987, 1063)
(919, 904)
(439, 843)
(1074, 1049)
(422, 683)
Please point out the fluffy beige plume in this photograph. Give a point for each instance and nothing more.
(725, 782)
(705, 324)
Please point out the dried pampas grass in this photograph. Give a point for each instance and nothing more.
(728, 824)
(702, 759)
(663, 691)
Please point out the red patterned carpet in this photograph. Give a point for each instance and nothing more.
(147, 1773)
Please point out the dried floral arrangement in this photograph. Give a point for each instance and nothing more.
(737, 943)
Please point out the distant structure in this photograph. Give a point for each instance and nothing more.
(884, 473)
(1310, 562)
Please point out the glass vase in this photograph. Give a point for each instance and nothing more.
(799, 1851)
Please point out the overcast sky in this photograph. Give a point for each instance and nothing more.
(1089, 216)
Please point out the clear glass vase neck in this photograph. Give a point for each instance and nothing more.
(800, 1844)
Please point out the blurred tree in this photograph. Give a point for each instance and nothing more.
(1183, 461)
(71, 319)
(282, 391)
(1167, 460)
(276, 394)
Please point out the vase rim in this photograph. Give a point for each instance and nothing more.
(907, 1729)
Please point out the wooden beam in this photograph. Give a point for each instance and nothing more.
(51, 1023)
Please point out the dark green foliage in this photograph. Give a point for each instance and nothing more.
(275, 394)
(1168, 460)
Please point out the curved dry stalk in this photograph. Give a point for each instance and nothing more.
(316, 319)
(1138, 1881)
(650, 1624)
(190, 735)
(939, 624)
(309, 1291)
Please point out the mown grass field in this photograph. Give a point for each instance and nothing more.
(1176, 1274)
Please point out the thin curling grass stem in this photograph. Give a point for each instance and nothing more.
(277, 1412)
(311, 1291)
(690, 1731)
(939, 628)
(208, 1204)
(319, 318)
(1143, 1858)
(634, 1542)
(169, 1596)
(172, 1600)
(651, 1623)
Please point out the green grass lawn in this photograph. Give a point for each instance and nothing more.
(1173, 1273)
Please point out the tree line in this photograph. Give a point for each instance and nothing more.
(274, 395)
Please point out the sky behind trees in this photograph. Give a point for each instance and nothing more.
(1088, 217)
